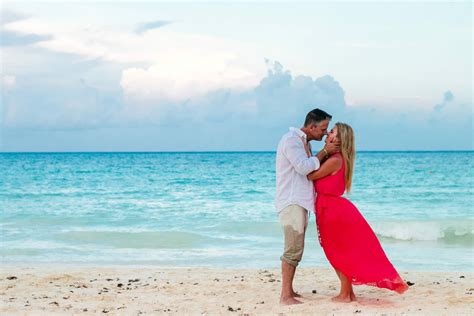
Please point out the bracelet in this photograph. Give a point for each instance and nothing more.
(326, 152)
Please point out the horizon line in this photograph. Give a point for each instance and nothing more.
(216, 151)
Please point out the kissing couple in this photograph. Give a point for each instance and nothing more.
(307, 183)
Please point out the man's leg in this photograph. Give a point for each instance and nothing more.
(294, 220)
(287, 293)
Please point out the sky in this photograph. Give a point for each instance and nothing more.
(215, 76)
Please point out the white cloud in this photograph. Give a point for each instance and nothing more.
(179, 65)
(189, 84)
(180, 81)
(8, 82)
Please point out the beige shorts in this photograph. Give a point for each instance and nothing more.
(294, 221)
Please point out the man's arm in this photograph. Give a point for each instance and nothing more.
(328, 150)
(295, 152)
(321, 155)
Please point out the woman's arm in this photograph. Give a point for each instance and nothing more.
(331, 165)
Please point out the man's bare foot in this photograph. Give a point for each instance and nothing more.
(289, 301)
(342, 298)
(295, 294)
(353, 297)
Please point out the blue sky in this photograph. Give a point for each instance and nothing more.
(155, 76)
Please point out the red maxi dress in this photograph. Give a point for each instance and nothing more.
(347, 239)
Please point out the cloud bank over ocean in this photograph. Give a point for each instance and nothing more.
(74, 87)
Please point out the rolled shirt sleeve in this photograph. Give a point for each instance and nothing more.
(296, 154)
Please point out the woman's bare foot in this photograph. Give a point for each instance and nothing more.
(342, 298)
(289, 301)
(353, 297)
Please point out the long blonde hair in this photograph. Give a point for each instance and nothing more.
(347, 139)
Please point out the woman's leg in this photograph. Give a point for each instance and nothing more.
(346, 294)
(353, 296)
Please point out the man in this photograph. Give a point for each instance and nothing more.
(295, 193)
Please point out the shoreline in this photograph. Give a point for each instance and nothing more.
(149, 266)
(68, 289)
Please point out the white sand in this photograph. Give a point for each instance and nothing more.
(144, 290)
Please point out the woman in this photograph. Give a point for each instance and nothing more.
(346, 238)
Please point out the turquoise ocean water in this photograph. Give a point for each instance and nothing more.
(216, 209)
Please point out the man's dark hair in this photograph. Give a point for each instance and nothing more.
(315, 117)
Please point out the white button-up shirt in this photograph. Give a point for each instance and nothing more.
(292, 167)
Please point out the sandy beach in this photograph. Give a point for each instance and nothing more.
(145, 290)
